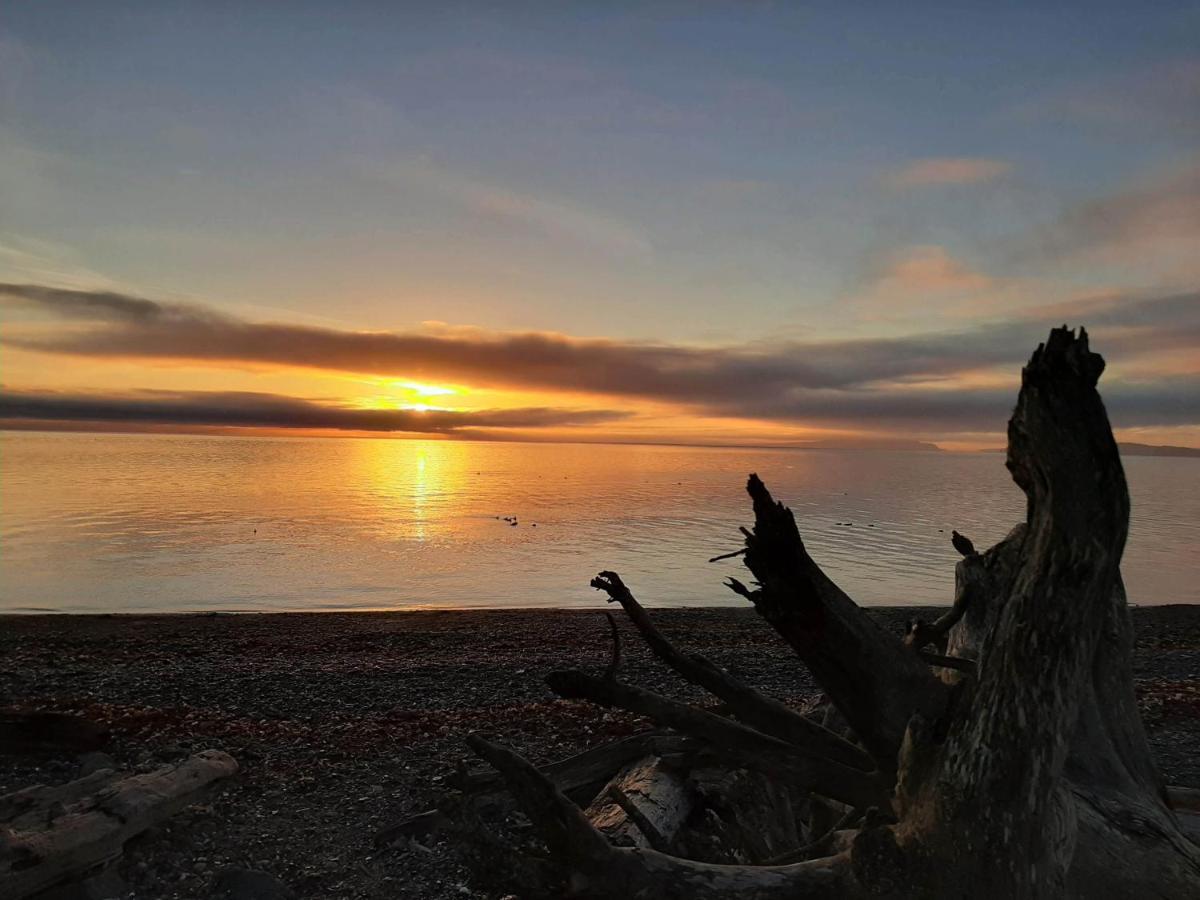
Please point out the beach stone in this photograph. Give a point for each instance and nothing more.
(235, 883)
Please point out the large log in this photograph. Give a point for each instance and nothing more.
(55, 835)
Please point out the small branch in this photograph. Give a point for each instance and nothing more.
(730, 555)
(740, 743)
(820, 845)
(948, 662)
(563, 824)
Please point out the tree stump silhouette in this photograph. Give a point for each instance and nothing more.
(995, 753)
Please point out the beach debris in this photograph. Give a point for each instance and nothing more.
(52, 835)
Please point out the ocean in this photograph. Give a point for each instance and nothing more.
(157, 523)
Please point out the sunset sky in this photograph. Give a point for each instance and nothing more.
(717, 223)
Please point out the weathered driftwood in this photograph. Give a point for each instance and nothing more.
(20, 803)
(50, 835)
(999, 750)
(644, 805)
(580, 777)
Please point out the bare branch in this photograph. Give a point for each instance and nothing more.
(874, 680)
(740, 743)
(764, 713)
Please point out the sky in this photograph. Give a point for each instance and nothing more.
(726, 223)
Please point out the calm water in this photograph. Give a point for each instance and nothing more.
(154, 523)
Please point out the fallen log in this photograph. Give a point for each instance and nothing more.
(56, 834)
(40, 796)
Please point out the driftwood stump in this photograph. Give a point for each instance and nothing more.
(995, 753)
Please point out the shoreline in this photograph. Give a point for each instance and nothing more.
(345, 722)
(886, 609)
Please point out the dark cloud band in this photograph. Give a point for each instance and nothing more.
(844, 383)
(275, 411)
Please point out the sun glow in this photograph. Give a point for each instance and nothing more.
(409, 395)
(423, 390)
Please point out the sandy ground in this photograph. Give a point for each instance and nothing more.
(344, 723)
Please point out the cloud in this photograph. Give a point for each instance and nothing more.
(882, 380)
(93, 305)
(257, 410)
(1160, 98)
(948, 170)
(1162, 402)
(30, 258)
(1159, 215)
(927, 268)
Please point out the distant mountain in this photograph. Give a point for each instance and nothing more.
(1158, 450)
(1132, 449)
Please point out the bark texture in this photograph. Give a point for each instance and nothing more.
(994, 753)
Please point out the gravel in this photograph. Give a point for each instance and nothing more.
(345, 723)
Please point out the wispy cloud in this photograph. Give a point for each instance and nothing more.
(945, 170)
(547, 216)
(1162, 96)
(1160, 215)
(27, 257)
(926, 268)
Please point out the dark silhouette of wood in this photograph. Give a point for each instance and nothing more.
(1008, 762)
(49, 835)
(962, 543)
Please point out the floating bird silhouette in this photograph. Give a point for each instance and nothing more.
(962, 544)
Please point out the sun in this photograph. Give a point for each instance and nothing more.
(408, 395)
(422, 390)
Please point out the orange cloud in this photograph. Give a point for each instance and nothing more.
(929, 267)
(948, 170)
